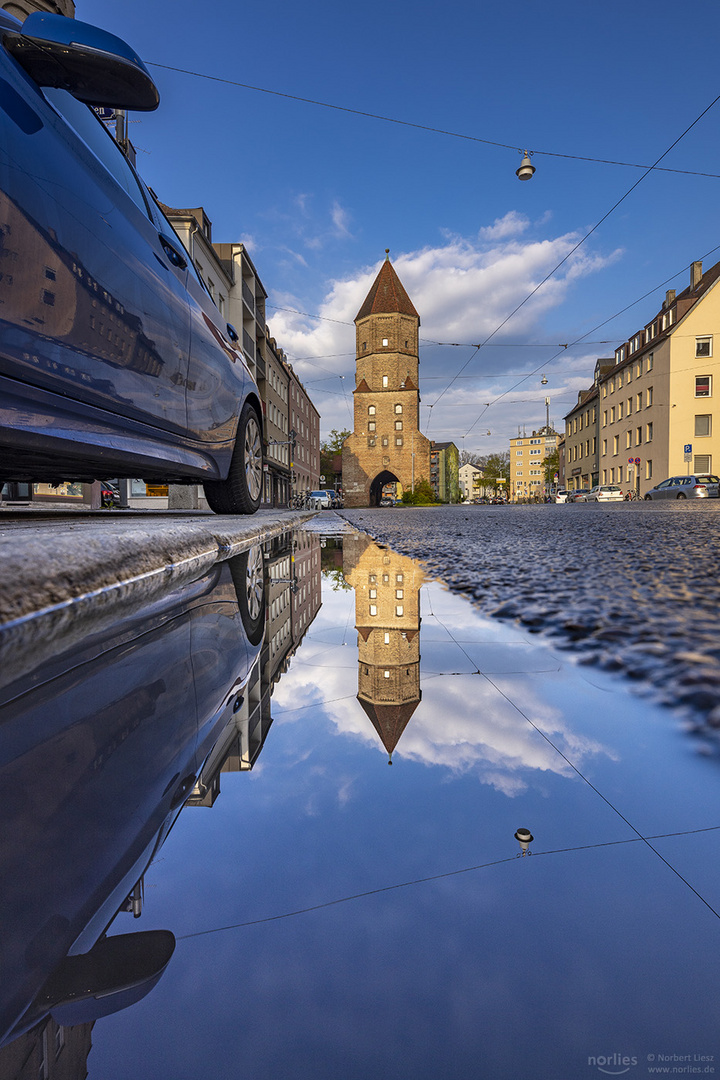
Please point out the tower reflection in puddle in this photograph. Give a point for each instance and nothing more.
(387, 619)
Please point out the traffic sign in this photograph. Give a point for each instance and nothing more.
(637, 460)
(688, 448)
(631, 461)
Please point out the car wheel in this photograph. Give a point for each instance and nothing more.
(680, 495)
(248, 574)
(240, 492)
(648, 498)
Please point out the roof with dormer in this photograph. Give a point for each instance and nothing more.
(387, 296)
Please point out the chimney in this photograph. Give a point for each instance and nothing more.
(669, 298)
(695, 274)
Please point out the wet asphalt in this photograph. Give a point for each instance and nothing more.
(633, 588)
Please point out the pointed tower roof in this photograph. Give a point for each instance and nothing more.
(389, 720)
(387, 295)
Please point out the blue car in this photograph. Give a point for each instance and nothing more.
(114, 360)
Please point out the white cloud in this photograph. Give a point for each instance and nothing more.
(463, 290)
(511, 225)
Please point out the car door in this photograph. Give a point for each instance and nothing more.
(95, 310)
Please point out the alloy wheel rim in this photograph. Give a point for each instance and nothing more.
(254, 581)
(253, 458)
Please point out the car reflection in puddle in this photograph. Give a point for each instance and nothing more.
(326, 893)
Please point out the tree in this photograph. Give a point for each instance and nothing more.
(423, 495)
(329, 449)
(551, 465)
(334, 444)
(494, 467)
(467, 457)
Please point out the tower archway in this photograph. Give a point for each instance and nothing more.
(377, 485)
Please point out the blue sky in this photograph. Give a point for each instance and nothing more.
(317, 194)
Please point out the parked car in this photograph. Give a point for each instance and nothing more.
(604, 493)
(697, 486)
(319, 500)
(560, 495)
(114, 359)
(578, 495)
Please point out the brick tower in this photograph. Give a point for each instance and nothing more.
(386, 444)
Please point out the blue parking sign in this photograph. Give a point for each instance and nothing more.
(688, 448)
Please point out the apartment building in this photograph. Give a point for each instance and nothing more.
(527, 474)
(305, 423)
(470, 481)
(656, 403)
(581, 457)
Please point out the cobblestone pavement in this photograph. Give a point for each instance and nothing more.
(633, 587)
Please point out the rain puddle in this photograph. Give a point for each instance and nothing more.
(311, 815)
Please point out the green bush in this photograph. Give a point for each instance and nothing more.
(423, 495)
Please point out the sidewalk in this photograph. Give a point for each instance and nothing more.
(51, 562)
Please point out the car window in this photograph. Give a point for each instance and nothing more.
(92, 131)
(707, 479)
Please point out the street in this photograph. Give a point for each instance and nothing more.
(630, 587)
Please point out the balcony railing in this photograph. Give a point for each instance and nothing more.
(248, 296)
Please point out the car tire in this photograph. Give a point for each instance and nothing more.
(248, 574)
(241, 491)
(648, 498)
(680, 495)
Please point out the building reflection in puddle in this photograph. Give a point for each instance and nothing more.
(387, 620)
(106, 732)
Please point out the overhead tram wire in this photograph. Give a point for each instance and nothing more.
(419, 127)
(580, 242)
(546, 363)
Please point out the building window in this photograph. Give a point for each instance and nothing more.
(620, 411)
(703, 346)
(629, 406)
(638, 436)
(398, 425)
(385, 441)
(398, 594)
(649, 433)
(371, 410)
(387, 639)
(616, 441)
(648, 469)
(385, 380)
(703, 425)
(612, 415)
(649, 397)
(371, 425)
(385, 342)
(371, 440)
(399, 609)
(638, 402)
(703, 386)
(399, 440)
(620, 474)
(373, 594)
(398, 409)
(373, 609)
(628, 439)
(605, 418)
(650, 362)
(604, 447)
(703, 463)
(386, 674)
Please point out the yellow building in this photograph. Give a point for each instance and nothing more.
(657, 399)
(527, 474)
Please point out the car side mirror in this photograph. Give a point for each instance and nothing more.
(94, 66)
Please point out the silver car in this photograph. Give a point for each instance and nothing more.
(696, 486)
(604, 493)
(319, 500)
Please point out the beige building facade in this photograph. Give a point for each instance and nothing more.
(527, 474)
(581, 468)
(657, 410)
